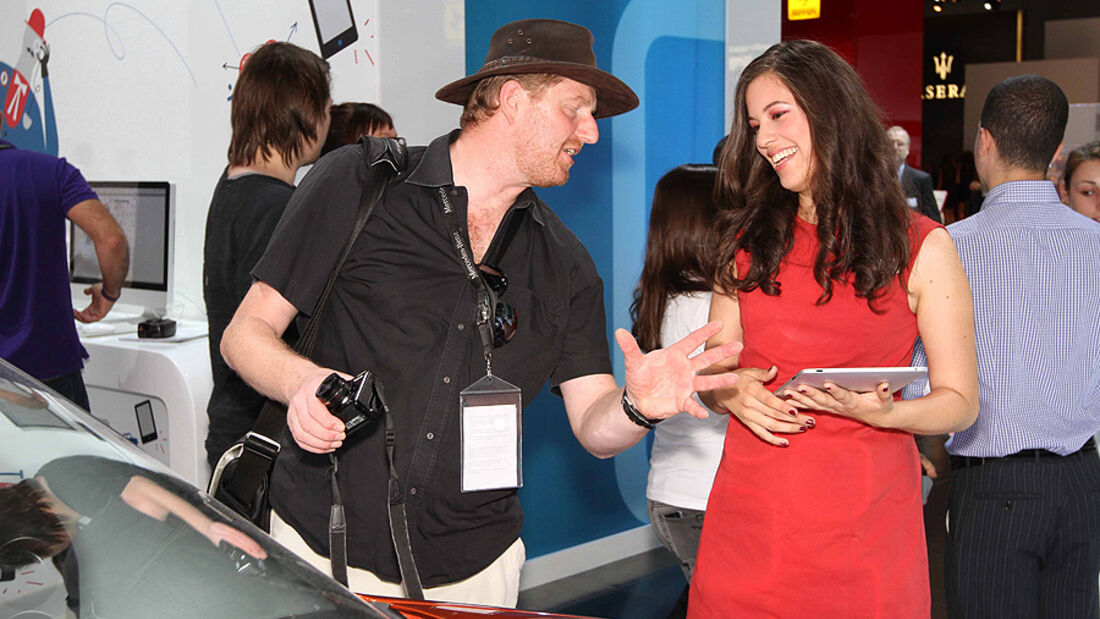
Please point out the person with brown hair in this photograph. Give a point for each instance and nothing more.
(280, 116)
(461, 278)
(671, 301)
(816, 506)
(1080, 186)
(351, 121)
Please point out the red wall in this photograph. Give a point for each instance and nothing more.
(884, 41)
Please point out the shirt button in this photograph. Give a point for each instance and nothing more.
(412, 490)
(447, 379)
(461, 326)
(429, 436)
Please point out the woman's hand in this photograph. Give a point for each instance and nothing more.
(872, 408)
(760, 410)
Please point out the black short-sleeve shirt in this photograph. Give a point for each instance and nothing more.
(403, 307)
(242, 215)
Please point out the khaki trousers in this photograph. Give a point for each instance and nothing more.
(496, 585)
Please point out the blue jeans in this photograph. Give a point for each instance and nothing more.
(72, 387)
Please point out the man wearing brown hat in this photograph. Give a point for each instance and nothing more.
(464, 294)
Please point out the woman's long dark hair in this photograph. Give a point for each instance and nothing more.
(680, 247)
(862, 217)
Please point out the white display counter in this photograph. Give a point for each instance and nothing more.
(154, 392)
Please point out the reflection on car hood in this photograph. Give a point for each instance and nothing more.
(93, 526)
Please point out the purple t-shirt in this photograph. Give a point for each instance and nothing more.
(37, 332)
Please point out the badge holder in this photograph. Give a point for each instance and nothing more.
(492, 431)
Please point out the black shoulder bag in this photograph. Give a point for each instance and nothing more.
(241, 479)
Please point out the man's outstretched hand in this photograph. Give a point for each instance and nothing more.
(661, 383)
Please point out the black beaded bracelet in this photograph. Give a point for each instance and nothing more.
(112, 299)
(636, 415)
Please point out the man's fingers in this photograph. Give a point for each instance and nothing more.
(710, 382)
(301, 437)
(631, 352)
(697, 337)
(312, 434)
(695, 409)
(708, 358)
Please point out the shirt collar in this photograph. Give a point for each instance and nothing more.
(1022, 191)
(434, 170)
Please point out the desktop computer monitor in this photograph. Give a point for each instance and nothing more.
(144, 211)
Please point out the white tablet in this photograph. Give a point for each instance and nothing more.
(855, 379)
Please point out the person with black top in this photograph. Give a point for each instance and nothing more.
(458, 239)
(280, 117)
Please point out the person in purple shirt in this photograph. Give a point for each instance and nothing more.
(37, 333)
(1023, 522)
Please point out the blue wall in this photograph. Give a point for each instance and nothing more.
(671, 54)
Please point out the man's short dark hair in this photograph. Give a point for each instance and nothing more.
(29, 529)
(280, 98)
(1026, 115)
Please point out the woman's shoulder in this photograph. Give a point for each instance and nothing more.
(920, 227)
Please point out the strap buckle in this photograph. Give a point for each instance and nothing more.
(262, 445)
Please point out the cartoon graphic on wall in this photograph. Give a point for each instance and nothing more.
(28, 120)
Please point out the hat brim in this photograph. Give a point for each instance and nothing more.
(612, 95)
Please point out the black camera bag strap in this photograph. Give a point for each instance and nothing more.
(245, 491)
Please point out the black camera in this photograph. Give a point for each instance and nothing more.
(357, 402)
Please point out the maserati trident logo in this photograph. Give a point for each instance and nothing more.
(942, 64)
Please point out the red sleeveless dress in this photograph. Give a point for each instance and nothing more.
(832, 525)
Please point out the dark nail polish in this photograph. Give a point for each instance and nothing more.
(810, 423)
(803, 390)
(803, 429)
(785, 444)
(792, 413)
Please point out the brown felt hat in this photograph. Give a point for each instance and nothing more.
(546, 46)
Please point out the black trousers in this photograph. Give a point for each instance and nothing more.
(72, 387)
(1024, 538)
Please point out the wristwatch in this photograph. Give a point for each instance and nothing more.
(636, 415)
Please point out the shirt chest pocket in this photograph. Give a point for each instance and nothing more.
(533, 350)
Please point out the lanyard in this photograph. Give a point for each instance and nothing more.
(487, 303)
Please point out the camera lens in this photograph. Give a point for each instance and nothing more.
(334, 392)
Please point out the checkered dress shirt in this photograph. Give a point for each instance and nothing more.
(1034, 270)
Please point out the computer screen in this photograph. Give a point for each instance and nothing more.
(144, 211)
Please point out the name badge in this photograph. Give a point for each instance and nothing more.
(492, 435)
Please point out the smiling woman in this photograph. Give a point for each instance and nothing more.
(822, 264)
